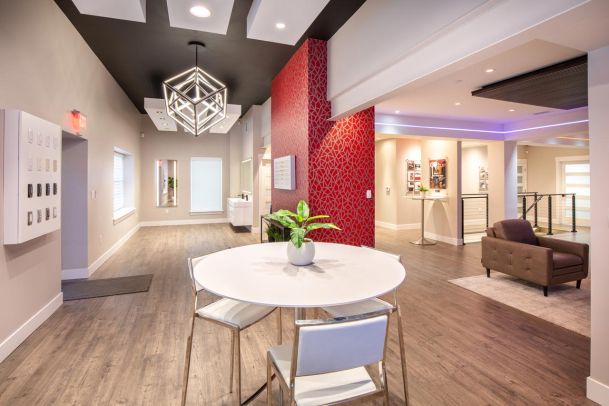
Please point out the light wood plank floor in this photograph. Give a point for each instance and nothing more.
(462, 348)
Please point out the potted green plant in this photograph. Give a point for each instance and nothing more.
(423, 190)
(301, 249)
(274, 233)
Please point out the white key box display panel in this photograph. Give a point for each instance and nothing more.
(32, 176)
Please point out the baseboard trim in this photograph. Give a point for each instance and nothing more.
(442, 238)
(597, 391)
(95, 265)
(74, 273)
(160, 223)
(392, 226)
(23, 332)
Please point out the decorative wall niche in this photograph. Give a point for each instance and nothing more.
(32, 176)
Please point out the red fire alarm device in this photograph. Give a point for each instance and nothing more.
(78, 121)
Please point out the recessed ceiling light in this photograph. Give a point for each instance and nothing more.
(280, 26)
(490, 70)
(397, 112)
(511, 110)
(457, 103)
(200, 11)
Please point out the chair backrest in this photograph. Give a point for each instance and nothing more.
(324, 346)
(395, 256)
(517, 230)
(192, 262)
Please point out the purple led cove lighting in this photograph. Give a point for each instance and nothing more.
(484, 131)
(545, 126)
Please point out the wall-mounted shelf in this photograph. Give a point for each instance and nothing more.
(32, 176)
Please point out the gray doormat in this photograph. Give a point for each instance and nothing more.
(90, 288)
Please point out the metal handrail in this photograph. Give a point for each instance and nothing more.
(538, 197)
(464, 197)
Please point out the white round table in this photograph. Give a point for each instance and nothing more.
(261, 274)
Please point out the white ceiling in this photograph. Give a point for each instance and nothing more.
(217, 22)
(233, 112)
(297, 15)
(131, 10)
(157, 111)
(438, 99)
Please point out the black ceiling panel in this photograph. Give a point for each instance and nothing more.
(141, 55)
(560, 86)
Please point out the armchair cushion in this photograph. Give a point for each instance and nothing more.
(516, 230)
(564, 260)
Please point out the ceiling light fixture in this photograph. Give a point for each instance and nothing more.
(490, 70)
(280, 26)
(457, 103)
(195, 99)
(397, 112)
(511, 110)
(200, 11)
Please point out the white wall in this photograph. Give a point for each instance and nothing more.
(48, 70)
(598, 99)
(385, 172)
(502, 192)
(473, 159)
(181, 147)
(443, 219)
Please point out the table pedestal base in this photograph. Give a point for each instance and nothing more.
(423, 241)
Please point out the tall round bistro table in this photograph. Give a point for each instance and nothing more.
(261, 274)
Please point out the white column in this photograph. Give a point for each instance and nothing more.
(598, 106)
(502, 191)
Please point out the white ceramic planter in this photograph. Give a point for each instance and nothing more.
(301, 256)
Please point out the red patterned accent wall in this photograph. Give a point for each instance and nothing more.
(334, 160)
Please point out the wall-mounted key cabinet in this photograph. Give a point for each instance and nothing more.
(32, 176)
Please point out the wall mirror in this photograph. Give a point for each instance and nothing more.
(166, 182)
(247, 177)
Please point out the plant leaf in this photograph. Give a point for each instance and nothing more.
(316, 226)
(286, 213)
(283, 220)
(321, 216)
(297, 236)
(303, 211)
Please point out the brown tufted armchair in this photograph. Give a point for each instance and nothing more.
(512, 247)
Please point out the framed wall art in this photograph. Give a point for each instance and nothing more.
(413, 176)
(437, 173)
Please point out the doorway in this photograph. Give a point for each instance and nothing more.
(74, 213)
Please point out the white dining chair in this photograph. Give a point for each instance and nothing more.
(229, 313)
(327, 363)
(376, 305)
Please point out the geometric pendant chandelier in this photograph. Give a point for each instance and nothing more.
(195, 99)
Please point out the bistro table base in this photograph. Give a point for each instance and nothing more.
(423, 241)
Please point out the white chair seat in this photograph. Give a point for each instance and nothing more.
(234, 312)
(325, 388)
(354, 309)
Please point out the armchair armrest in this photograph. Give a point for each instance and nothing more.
(568, 247)
(530, 262)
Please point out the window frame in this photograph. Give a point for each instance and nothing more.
(128, 206)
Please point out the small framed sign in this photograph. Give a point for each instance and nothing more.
(284, 172)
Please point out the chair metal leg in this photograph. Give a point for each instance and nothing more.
(579, 284)
(402, 354)
(232, 359)
(187, 360)
(238, 340)
(269, 378)
(280, 326)
(488, 273)
(385, 384)
(545, 291)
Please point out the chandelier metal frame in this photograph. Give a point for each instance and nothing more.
(195, 99)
